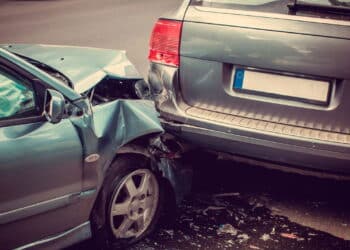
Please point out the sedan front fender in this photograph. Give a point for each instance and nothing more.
(123, 121)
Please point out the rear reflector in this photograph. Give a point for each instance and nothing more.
(165, 42)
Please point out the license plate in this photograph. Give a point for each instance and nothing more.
(281, 86)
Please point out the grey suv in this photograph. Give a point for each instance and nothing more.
(267, 81)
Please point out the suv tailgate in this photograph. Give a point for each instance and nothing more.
(218, 41)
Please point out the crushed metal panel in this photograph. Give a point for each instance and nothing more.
(168, 158)
(111, 126)
(126, 120)
(83, 66)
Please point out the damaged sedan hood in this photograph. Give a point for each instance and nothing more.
(84, 67)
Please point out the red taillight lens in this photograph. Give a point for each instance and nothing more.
(165, 42)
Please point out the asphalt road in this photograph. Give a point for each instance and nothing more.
(260, 209)
(114, 24)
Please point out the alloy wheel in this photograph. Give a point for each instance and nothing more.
(134, 204)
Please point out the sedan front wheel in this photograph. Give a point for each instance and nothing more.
(134, 204)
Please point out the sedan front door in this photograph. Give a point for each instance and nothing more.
(40, 166)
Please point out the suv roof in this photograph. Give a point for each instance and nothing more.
(333, 9)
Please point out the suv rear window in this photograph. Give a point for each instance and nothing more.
(279, 6)
(334, 9)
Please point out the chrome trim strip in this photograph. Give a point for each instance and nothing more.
(72, 236)
(37, 208)
(43, 206)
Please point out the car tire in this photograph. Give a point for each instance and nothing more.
(133, 204)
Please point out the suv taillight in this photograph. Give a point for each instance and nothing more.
(165, 42)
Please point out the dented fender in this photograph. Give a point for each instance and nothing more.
(105, 128)
(125, 120)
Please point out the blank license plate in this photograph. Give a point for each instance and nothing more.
(280, 85)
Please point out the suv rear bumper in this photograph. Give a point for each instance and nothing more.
(299, 154)
(294, 146)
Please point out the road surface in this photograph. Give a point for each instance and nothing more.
(115, 24)
(263, 209)
(235, 206)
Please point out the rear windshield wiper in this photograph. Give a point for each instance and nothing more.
(334, 6)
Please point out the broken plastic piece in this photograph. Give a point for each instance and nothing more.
(212, 208)
(227, 229)
(265, 237)
(243, 238)
(289, 236)
(254, 247)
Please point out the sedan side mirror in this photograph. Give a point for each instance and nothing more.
(54, 106)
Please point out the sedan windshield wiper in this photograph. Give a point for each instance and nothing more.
(333, 6)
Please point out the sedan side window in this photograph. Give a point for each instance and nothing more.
(16, 98)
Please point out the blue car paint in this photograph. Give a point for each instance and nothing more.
(63, 151)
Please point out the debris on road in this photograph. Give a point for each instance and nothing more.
(289, 235)
(292, 236)
(255, 224)
(265, 237)
(254, 247)
(227, 194)
(195, 230)
(227, 229)
(170, 232)
(194, 227)
(276, 210)
(243, 238)
(212, 208)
